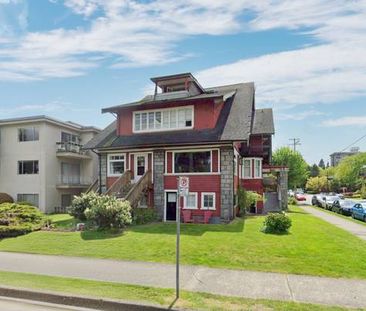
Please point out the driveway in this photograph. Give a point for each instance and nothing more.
(248, 284)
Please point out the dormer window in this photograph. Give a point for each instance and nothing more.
(163, 119)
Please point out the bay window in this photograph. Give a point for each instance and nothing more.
(192, 162)
(163, 119)
(252, 168)
(247, 168)
(257, 168)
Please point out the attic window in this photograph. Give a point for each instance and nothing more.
(163, 119)
(174, 88)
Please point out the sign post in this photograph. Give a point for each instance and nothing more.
(183, 190)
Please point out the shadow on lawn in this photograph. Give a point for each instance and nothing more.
(189, 229)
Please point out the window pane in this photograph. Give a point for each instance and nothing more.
(188, 117)
(137, 122)
(28, 134)
(116, 164)
(151, 120)
(27, 167)
(158, 120)
(143, 121)
(173, 119)
(30, 198)
(192, 162)
(181, 118)
(247, 168)
(191, 201)
(165, 119)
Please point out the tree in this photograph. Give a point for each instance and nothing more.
(349, 170)
(321, 164)
(298, 168)
(317, 184)
(314, 170)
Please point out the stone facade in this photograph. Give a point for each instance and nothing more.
(159, 167)
(227, 183)
(103, 167)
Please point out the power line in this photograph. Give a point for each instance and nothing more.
(356, 141)
(295, 142)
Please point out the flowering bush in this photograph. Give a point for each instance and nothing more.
(81, 203)
(108, 211)
(277, 223)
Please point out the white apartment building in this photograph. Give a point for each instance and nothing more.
(42, 161)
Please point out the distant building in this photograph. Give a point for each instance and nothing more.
(41, 161)
(337, 157)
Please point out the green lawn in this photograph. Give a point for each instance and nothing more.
(312, 247)
(159, 296)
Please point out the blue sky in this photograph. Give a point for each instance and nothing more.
(68, 59)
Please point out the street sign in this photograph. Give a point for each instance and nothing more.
(183, 186)
(183, 190)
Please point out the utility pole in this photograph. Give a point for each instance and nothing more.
(295, 142)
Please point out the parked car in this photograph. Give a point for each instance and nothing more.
(291, 193)
(327, 201)
(300, 197)
(359, 211)
(343, 207)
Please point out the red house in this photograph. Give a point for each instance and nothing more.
(215, 136)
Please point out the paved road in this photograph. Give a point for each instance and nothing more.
(249, 284)
(345, 224)
(12, 304)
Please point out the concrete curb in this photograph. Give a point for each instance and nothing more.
(76, 301)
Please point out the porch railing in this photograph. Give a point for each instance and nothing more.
(94, 187)
(136, 192)
(69, 147)
(120, 183)
(73, 180)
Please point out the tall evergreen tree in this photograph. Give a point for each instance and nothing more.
(321, 164)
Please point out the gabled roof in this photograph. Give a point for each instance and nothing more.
(263, 122)
(235, 123)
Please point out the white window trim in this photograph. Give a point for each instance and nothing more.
(34, 128)
(214, 201)
(109, 174)
(194, 173)
(260, 169)
(161, 129)
(252, 168)
(196, 201)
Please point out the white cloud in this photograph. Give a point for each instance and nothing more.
(131, 33)
(346, 121)
(298, 116)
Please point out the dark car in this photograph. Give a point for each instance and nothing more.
(343, 207)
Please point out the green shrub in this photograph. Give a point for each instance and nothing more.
(81, 203)
(142, 216)
(16, 219)
(277, 223)
(24, 203)
(246, 199)
(109, 212)
(292, 201)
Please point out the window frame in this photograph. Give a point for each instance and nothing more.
(253, 174)
(203, 194)
(109, 173)
(196, 201)
(35, 130)
(161, 128)
(33, 169)
(191, 173)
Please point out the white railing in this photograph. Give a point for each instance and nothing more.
(69, 147)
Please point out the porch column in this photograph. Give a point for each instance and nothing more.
(158, 171)
(103, 168)
(227, 183)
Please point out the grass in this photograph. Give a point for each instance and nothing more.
(63, 221)
(360, 222)
(313, 246)
(151, 295)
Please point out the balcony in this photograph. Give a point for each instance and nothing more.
(73, 182)
(71, 150)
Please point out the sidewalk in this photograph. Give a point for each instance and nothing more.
(348, 225)
(248, 284)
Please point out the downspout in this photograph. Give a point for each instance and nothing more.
(100, 170)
